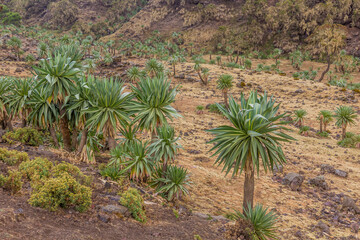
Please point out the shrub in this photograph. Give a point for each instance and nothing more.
(36, 169)
(113, 172)
(255, 223)
(350, 140)
(28, 136)
(323, 134)
(73, 171)
(12, 182)
(12, 157)
(213, 108)
(63, 191)
(135, 203)
(174, 183)
(212, 61)
(304, 130)
(248, 64)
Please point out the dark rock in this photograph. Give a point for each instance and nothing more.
(323, 227)
(118, 210)
(299, 91)
(293, 180)
(201, 215)
(320, 182)
(340, 173)
(104, 218)
(355, 227)
(326, 168)
(349, 203)
(278, 169)
(299, 234)
(17, 70)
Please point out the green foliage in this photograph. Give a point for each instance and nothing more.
(297, 59)
(139, 161)
(306, 75)
(344, 116)
(225, 82)
(165, 145)
(63, 191)
(300, 116)
(8, 17)
(247, 63)
(12, 157)
(173, 184)
(112, 171)
(323, 134)
(304, 130)
(134, 74)
(12, 182)
(135, 203)
(28, 136)
(263, 222)
(72, 170)
(153, 102)
(254, 122)
(36, 169)
(350, 140)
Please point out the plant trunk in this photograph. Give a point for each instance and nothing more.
(343, 132)
(23, 123)
(9, 125)
(174, 70)
(83, 139)
(325, 124)
(321, 124)
(249, 184)
(53, 136)
(64, 128)
(326, 70)
(111, 142)
(226, 99)
(74, 139)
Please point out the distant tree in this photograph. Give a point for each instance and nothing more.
(327, 41)
(225, 83)
(345, 116)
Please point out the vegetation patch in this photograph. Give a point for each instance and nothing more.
(135, 203)
(28, 136)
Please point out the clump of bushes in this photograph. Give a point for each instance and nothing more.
(73, 171)
(36, 169)
(135, 203)
(62, 191)
(350, 140)
(113, 172)
(12, 157)
(28, 136)
(12, 182)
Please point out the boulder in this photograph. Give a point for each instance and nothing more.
(349, 204)
(319, 182)
(293, 180)
(117, 210)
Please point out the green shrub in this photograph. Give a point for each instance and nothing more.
(350, 140)
(36, 169)
(248, 64)
(12, 182)
(304, 130)
(63, 191)
(112, 171)
(28, 136)
(12, 157)
(323, 134)
(212, 61)
(73, 171)
(7, 17)
(255, 223)
(213, 108)
(134, 202)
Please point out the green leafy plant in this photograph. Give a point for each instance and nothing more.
(225, 83)
(28, 136)
(350, 140)
(135, 203)
(113, 172)
(255, 223)
(36, 169)
(12, 182)
(62, 191)
(173, 183)
(12, 157)
(255, 133)
(300, 117)
(344, 116)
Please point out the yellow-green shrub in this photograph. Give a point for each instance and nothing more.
(73, 171)
(135, 203)
(28, 136)
(63, 191)
(12, 157)
(12, 182)
(36, 169)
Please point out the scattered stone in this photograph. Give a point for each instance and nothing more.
(294, 180)
(299, 91)
(118, 210)
(326, 168)
(340, 173)
(17, 70)
(349, 203)
(104, 218)
(299, 234)
(355, 227)
(220, 219)
(278, 169)
(320, 182)
(323, 227)
(201, 215)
